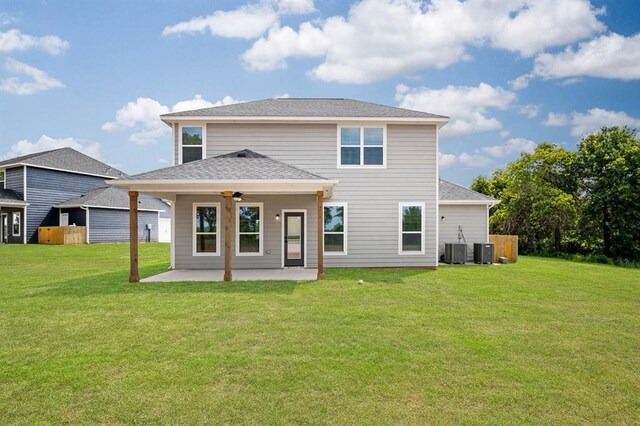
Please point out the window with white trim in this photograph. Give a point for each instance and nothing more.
(411, 228)
(249, 229)
(335, 228)
(362, 146)
(205, 229)
(16, 224)
(192, 143)
(2, 179)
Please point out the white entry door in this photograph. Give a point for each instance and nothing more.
(164, 230)
(64, 219)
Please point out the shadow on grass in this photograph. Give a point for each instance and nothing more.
(117, 283)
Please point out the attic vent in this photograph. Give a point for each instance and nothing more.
(242, 155)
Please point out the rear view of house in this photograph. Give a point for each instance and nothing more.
(64, 187)
(301, 183)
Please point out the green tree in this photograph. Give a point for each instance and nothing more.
(610, 169)
(538, 194)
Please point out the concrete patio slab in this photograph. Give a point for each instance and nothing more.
(293, 274)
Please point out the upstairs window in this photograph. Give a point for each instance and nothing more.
(362, 146)
(411, 228)
(2, 179)
(192, 143)
(335, 234)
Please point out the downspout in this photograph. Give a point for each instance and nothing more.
(86, 209)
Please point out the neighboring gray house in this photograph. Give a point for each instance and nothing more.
(65, 187)
(307, 183)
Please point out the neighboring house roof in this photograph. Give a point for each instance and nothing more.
(9, 197)
(306, 108)
(113, 198)
(239, 165)
(451, 192)
(65, 159)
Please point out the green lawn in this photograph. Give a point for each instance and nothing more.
(541, 341)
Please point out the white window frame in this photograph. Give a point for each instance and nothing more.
(422, 228)
(4, 180)
(362, 126)
(261, 233)
(344, 251)
(13, 219)
(195, 234)
(204, 139)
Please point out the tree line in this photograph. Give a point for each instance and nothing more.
(573, 202)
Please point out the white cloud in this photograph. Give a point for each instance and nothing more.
(474, 160)
(530, 111)
(521, 82)
(504, 133)
(7, 18)
(14, 40)
(591, 121)
(510, 147)
(610, 56)
(467, 106)
(247, 22)
(556, 120)
(379, 39)
(30, 79)
(143, 116)
(45, 143)
(446, 160)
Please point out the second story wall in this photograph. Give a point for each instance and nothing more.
(14, 180)
(46, 188)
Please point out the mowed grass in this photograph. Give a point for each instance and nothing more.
(541, 341)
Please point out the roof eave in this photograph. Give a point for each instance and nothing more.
(468, 202)
(17, 203)
(85, 206)
(438, 121)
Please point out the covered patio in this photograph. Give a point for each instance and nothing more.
(225, 182)
(286, 274)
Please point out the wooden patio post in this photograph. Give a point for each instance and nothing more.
(133, 237)
(227, 235)
(320, 196)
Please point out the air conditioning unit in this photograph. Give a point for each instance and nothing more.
(483, 252)
(455, 253)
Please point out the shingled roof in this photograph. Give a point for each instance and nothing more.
(239, 165)
(453, 192)
(10, 197)
(114, 198)
(67, 159)
(305, 107)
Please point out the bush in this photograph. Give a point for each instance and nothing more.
(591, 258)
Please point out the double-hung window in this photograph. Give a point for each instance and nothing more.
(192, 143)
(411, 228)
(205, 229)
(2, 179)
(249, 229)
(16, 223)
(335, 228)
(361, 146)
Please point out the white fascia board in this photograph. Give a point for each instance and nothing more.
(235, 119)
(468, 202)
(12, 204)
(291, 186)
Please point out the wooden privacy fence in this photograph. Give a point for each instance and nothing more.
(505, 246)
(62, 234)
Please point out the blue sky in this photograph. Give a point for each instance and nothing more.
(511, 74)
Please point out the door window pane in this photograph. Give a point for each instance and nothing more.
(294, 237)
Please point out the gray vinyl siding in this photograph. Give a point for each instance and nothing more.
(77, 216)
(46, 188)
(272, 233)
(14, 180)
(372, 195)
(473, 220)
(111, 225)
